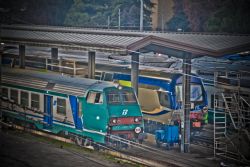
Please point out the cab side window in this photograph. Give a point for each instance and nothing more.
(35, 100)
(61, 106)
(24, 98)
(14, 95)
(95, 98)
(5, 93)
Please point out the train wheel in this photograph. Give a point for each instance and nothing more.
(96, 146)
(168, 146)
(78, 140)
(158, 144)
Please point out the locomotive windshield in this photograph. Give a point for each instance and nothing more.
(195, 93)
(163, 98)
(128, 97)
(123, 96)
(113, 97)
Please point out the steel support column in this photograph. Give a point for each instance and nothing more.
(54, 57)
(1, 112)
(185, 123)
(22, 56)
(135, 71)
(91, 64)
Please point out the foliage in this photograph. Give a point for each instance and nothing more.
(233, 16)
(96, 13)
(189, 15)
(48, 12)
(218, 15)
(179, 20)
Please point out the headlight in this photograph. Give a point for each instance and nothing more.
(137, 130)
(136, 119)
(205, 109)
(114, 121)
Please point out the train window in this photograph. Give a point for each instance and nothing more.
(152, 87)
(5, 93)
(196, 93)
(35, 101)
(163, 98)
(24, 98)
(61, 106)
(178, 92)
(95, 98)
(14, 95)
(128, 97)
(108, 76)
(113, 98)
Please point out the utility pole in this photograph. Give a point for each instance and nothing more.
(1, 52)
(141, 16)
(185, 117)
(108, 22)
(119, 19)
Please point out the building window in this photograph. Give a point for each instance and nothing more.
(95, 98)
(61, 106)
(14, 95)
(5, 93)
(35, 101)
(24, 98)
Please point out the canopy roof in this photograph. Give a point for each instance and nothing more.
(126, 42)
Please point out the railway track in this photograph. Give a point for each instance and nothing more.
(136, 153)
(163, 157)
(203, 141)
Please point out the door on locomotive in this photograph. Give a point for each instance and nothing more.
(95, 111)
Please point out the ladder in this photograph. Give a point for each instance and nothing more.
(220, 146)
(245, 110)
(232, 109)
(229, 110)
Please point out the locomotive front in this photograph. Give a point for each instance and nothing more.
(125, 116)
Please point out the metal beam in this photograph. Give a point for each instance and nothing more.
(135, 71)
(185, 123)
(1, 112)
(91, 64)
(22, 56)
(141, 16)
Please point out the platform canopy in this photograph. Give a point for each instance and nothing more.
(126, 42)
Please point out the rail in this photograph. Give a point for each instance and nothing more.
(163, 158)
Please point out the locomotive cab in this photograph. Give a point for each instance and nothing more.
(125, 117)
(114, 111)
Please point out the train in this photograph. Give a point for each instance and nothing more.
(160, 98)
(60, 104)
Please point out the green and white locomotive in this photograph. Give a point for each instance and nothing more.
(88, 108)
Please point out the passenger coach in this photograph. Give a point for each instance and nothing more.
(62, 104)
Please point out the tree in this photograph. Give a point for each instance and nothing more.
(179, 20)
(46, 12)
(233, 17)
(96, 13)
